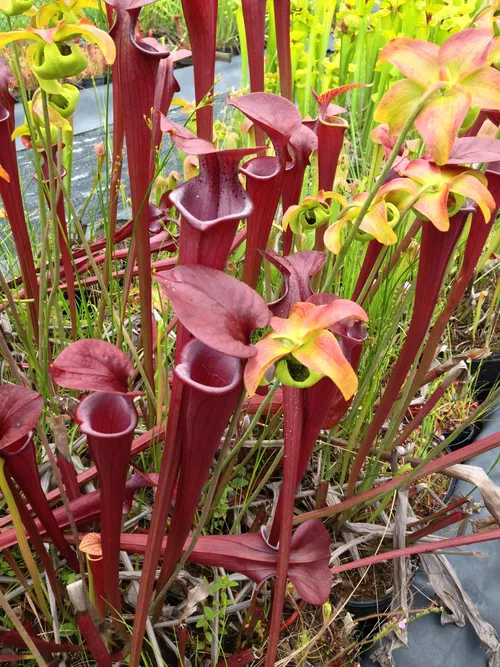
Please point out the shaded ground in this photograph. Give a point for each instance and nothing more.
(435, 645)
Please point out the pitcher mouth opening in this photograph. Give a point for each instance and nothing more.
(209, 371)
(106, 415)
(16, 447)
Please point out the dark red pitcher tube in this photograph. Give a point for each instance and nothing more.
(108, 421)
(20, 462)
(213, 384)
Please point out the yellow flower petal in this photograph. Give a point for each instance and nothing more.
(434, 206)
(17, 36)
(465, 52)
(484, 87)
(375, 223)
(397, 104)
(469, 186)
(321, 317)
(291, 218)
(416, 59)
(269, 351)
(90, 33)
(439, 122)
(332, 237)
(323, 355)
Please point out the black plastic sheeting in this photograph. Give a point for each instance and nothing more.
(432, 644)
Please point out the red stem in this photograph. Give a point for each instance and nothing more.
(201, 23)
(254, 16)
(93, 640)
(10, 192)
(293, 408)
(38, 545)
(99, 587)
(330, 142)
(161, 508)
(426, 547)
(264, 179)
(458, 456)
(20, 462)
(435, 252)
(108, 421)
(434, 526)
(62, 230)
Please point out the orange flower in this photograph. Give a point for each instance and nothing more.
(462, 63)
(303, 350)
(445, 190)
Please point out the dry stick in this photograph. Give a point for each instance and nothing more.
(206, 507)
(385, 171)
(9, 612)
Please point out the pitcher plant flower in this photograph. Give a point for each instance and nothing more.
(60, 107)
(444, 191)
(454, 77)
(303, 350)
(71, 11)
(379, 220)
(15, 7)
(55, 55)
(313, 212)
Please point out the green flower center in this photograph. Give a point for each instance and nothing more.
(298, 372)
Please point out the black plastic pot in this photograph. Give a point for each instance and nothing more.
(487, 372)
(98, 80)
(467, 437)
(361, 608)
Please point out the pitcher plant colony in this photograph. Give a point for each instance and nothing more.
(269, 313)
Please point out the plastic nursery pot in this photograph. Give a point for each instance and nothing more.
(89, 82)
(487, 373)
(374, 608)
(467, 437)
(451, 489)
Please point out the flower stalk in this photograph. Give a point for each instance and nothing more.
(332, 273)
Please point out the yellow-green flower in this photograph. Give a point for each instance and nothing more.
(54, 54)
(378, 221)
(15, 7)
(313, 212)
